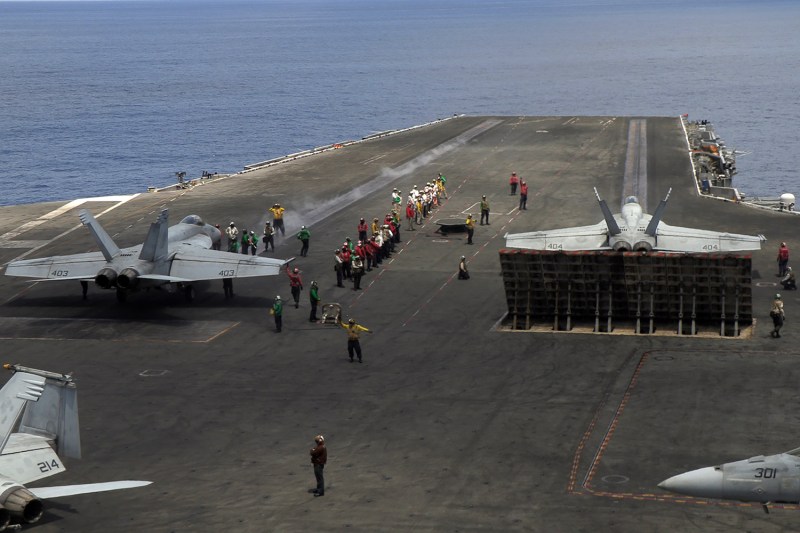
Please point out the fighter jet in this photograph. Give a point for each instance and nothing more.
(177, 255)
(770, 479)
(633, 230)
(48, 404)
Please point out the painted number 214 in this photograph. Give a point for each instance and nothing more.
(46, 466)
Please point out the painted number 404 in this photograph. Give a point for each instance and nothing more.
(47, 466)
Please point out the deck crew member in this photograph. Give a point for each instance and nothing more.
(484, 210)
(319, 457)
(411, 214)
(227, 286)
(358, 272)
(304, 235)
(232, 232)
(353, 332)
(470, 223)
(523, 196)
(338, 266)
(277, 313)
(363, 228)
(277, 218)
(216, 244)
(313, 296)
(778, 316)
(513, 181)
(253, 242)
(463, 273)
(783, 259)
(269, 236)
(245, 242)
(296, 284)
(789, 282)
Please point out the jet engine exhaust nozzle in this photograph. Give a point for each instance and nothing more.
(128, 278)
(106, 278)
(643, 246)
(22, 504)
(622, 246)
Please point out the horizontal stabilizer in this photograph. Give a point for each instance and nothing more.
(170, 279)
(75, 278)
(88, 488)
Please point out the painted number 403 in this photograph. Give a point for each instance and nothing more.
(47, 466)
(226, 273)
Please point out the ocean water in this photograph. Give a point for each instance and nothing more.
(110, 97)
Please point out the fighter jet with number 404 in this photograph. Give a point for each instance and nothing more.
(48, 404)
(179, 255)
(633, 230)
(770, 479)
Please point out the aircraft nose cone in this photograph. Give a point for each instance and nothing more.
(702, 483)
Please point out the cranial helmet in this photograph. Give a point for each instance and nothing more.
(352, 321)
(319, 439)
(232, 224)
(296, 270)
(777, 296)
(278, 297)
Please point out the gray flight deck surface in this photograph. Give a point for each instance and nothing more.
(449, 425)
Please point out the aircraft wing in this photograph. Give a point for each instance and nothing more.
(675, 238)
(195, 264)
(593, 237)
(87, 488)
(59, 267)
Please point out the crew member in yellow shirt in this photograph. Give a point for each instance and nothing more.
(353, 332)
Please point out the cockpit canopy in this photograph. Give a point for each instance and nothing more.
(194, 220)
(631, 200)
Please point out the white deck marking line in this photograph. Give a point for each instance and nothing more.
(120, 199)
(512, 211)
(373, 159)
(467, 210)
(634, 181)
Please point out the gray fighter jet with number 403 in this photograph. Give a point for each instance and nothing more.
(48, 404)
(770, 479)
(179, 255)
(633, 230)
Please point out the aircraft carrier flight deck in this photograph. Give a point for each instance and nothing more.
(452, 423)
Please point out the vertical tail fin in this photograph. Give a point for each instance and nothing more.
(106, 243)
(23, 387)
(654, 221)
(613, 228)
(55, 416)
(155, 247)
